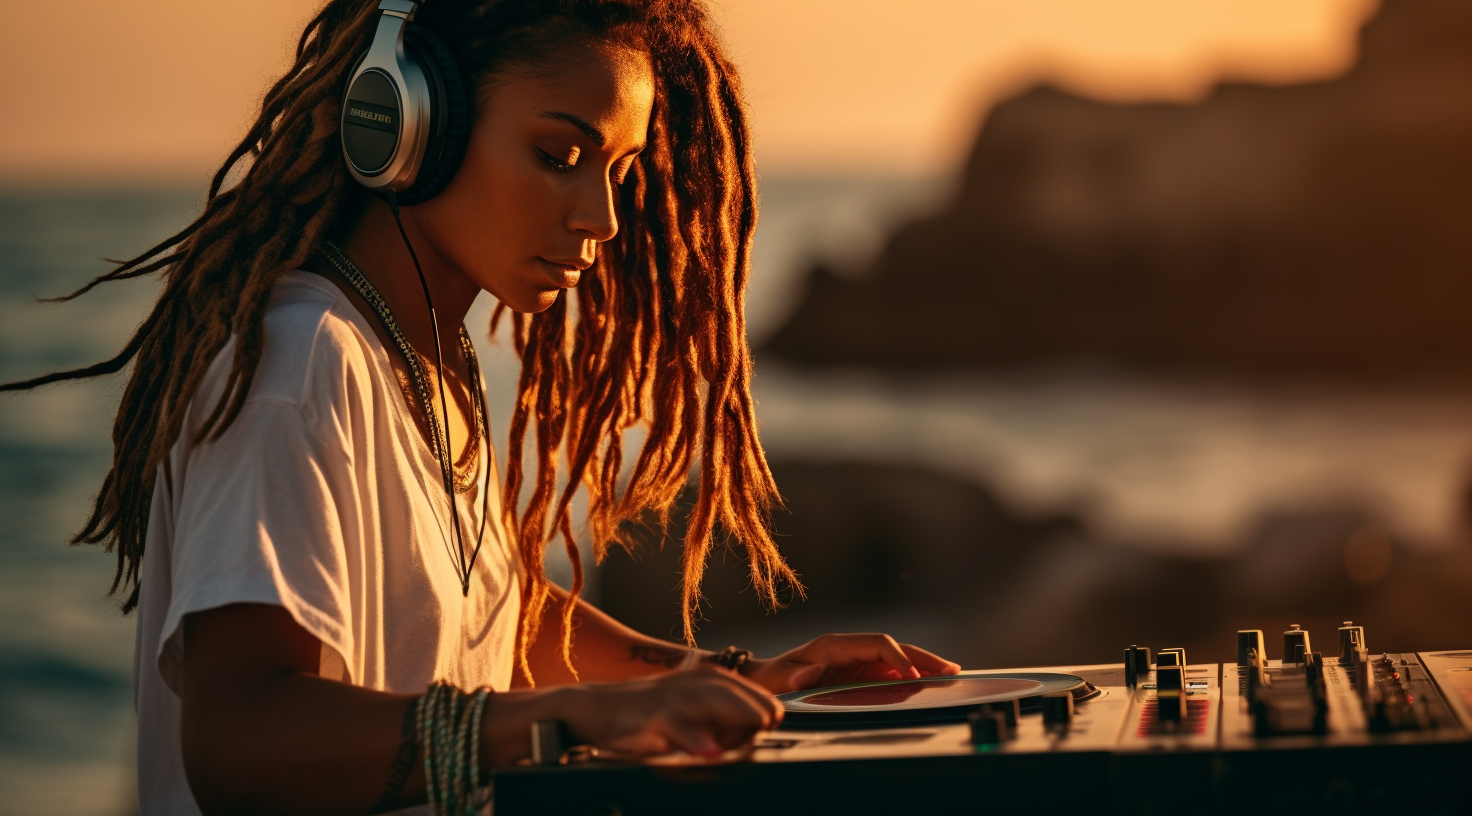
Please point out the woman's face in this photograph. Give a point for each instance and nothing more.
(537, 191)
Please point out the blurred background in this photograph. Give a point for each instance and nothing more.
(1077, 325)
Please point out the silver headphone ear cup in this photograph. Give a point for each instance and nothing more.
(450, 117)
(369, 143)
(387, 110)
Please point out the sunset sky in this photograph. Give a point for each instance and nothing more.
(159, 89)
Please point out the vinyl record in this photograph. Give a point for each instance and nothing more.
(927, 700)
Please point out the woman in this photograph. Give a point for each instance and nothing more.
(303, 497)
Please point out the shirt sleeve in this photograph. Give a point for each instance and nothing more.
(260, 518)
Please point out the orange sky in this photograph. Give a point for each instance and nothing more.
(161, 88)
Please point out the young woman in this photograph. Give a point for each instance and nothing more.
(303, 499)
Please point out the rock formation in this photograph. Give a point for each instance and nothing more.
(940, 562)
(1321, 229)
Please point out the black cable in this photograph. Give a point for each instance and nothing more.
(447, 468)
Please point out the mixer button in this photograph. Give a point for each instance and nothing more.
(1174, 656)
(1295, 645)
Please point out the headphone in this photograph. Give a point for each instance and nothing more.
(405, 124)
(406, 114)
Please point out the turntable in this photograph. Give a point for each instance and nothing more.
(1341, 729)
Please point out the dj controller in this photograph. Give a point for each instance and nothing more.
(1343, 729)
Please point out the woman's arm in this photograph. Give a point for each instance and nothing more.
(603, 650)
(606, 650)
(262, 733)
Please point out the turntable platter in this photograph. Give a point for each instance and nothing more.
(923, 701)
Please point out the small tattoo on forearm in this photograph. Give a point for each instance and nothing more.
(657, 655)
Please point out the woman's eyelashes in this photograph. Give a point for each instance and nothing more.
(621, 172)
(559, 165)
(618, 173)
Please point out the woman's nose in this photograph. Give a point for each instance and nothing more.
(595, 214)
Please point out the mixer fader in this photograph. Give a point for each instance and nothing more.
(1343, 728)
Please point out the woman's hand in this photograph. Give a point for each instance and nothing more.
(703, 712)
(833, 660)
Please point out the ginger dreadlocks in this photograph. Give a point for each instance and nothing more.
(659, 337)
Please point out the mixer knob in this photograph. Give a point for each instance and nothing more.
(1295, 645)
(1247, 640)
(1174, 656)
(1057, 710)
(1256, 679)
(1009, 709)
(1170, 678)
(1171, 707)
(1170, 693)
(1363, 681)
(988, 727)
(1351, 637)
(1313, 669)
(1136, 665)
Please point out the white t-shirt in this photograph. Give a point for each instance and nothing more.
(322, 497)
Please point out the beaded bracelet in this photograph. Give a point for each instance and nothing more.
(448, 723)
(398, 773)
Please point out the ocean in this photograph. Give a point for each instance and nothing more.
(1183, 468)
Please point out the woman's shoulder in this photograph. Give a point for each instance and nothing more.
(315, 346)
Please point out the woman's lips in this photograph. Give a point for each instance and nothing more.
(564, 273)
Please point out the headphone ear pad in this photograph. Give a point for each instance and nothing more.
(455, 113)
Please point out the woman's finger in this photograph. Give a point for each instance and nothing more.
(730, 714)
(879, 649)
(688, 737)
(928, 662)
(763, 698)
(802, 675)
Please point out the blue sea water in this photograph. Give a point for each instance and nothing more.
(65, 652)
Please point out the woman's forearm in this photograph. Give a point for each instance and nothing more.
(603, 649)
(263, 734)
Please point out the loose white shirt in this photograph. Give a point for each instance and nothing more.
(322, 497)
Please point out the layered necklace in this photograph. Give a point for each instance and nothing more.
(438, 437)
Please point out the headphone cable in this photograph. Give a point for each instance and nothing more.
(446, 468)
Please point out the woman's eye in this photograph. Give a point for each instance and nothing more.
(558, 165)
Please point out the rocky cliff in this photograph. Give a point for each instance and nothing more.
(1320, 229)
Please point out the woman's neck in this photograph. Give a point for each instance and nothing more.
(377, 249)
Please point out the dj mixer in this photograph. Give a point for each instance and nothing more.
(1344, 729)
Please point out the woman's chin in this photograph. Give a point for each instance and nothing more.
(532, 302)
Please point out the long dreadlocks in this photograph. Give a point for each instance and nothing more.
(660, 331)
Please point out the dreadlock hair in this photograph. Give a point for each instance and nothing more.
(659, 336)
